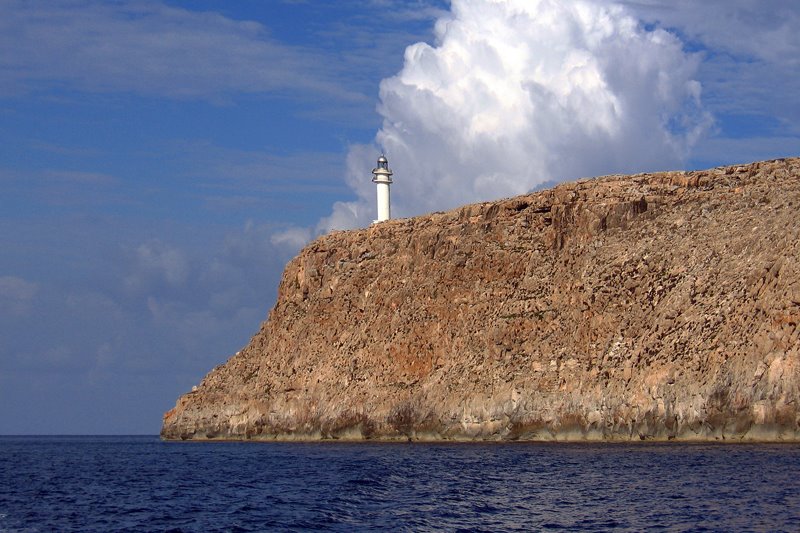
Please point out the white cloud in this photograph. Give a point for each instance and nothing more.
(346, 215)
(521, 92)
(155, 263)
(751, 66)
(148, 307)
(292, 238)
(16, 295)
(766, 29)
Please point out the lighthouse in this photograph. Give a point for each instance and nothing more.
(382, 177)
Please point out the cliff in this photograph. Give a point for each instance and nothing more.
(652, 306)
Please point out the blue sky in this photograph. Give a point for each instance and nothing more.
(161, 161)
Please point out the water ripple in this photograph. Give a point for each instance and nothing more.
(142, 484)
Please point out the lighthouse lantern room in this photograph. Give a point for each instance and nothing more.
(382, 177)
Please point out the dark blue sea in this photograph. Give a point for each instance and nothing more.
(142, 484)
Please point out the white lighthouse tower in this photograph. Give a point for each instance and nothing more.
(382, 177)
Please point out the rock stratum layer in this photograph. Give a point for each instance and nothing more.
(652, 306)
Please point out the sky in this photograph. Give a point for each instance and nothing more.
(161, 161)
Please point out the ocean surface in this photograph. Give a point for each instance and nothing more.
(143, 484)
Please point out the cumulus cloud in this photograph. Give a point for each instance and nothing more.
(517, 93)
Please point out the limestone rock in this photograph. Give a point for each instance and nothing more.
(652, 306)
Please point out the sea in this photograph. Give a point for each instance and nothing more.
(143, 484)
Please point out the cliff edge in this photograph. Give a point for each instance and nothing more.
(652, 306)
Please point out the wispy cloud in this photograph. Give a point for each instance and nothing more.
(66, 188)
(144, 306)
(16, 295)
(232, 180)
(155, 263)
(404, 10)
(149, 48)
(80, 177)
(292, 238)
(212, 166)
(62, 149)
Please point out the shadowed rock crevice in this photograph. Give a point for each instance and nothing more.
(654, 306)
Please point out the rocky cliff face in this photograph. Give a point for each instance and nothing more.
(653, 306)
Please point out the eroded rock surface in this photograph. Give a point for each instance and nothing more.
(653, 306)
